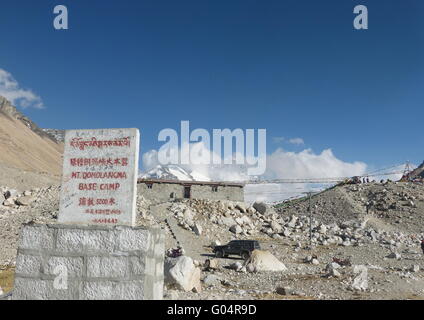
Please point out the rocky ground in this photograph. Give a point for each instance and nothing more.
(398, 205)
(23, 180)
(364, 244)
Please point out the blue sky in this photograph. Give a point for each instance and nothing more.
(296, 68)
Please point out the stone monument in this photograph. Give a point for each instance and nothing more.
(99, 181)
(95, 251)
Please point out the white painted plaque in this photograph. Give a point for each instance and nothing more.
(99, 183)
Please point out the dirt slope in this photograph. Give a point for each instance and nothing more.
(24, 146)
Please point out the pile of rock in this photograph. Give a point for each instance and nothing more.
(348, 233)
(235, 217)
(240, 220)
(357, 276)
(395, 202)
(143, 211)
(12, 198)
(332, 270)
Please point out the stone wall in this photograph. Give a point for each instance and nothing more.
(161, 192)
(102, 263)
(233, 193)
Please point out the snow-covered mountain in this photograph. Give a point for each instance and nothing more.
(173, 172)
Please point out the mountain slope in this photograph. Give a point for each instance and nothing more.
(23, 145)
(418, 172)
(57, 134)
(388, 206)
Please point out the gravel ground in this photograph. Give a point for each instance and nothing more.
(342, 229)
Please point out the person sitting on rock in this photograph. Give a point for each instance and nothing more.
(422, 245)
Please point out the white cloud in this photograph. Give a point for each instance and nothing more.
(296, 141)
(280, 140)
(306, 164)
(281, 164)
(150, 160)
(11, 90)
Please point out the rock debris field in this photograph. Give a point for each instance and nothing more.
(363, 242)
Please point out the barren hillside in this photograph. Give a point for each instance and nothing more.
(418, 172)
(24, 146)
(391, 205)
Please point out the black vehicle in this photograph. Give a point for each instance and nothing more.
(242, 248)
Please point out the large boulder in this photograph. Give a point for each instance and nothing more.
(211, 280)
(284, 291)
(415, 268)
(251, 210)
(241, 206)
(236, 229)
(182, 274)
(246, 220)
(24, 201)
(260, 207)
(276, 227)
(228, 221)
(11, 193)
(262, 260)
(360, 282)
(9, 202)
(394, 255)
(237, 266)
(188, 215)
(331, 270)
(211, 264)
(263, 208)
(198, 229)
(215, 243)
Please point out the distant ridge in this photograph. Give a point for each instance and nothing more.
(10, 111)
(57, 134)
